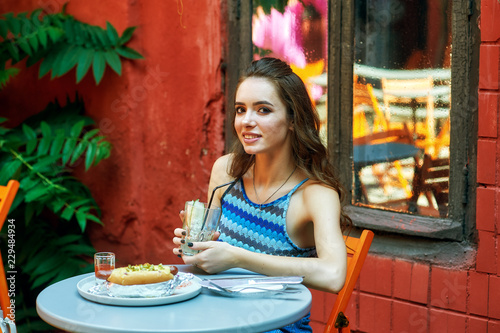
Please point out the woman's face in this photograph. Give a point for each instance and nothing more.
(261, 117)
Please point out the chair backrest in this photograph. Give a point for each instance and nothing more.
(432, 180)
(7, 194)
(399, 135)
(410, 88)
(357, 250)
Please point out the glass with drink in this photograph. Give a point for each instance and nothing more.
(104, 263)
(200, 224)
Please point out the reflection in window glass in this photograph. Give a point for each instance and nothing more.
(296, 32)
(401, 105)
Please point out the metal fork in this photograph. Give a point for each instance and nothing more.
(230, 292)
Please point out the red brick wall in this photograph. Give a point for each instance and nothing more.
(401, 296)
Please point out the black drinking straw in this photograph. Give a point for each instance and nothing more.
(210, 201)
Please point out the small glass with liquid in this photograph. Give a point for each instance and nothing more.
(104, 264)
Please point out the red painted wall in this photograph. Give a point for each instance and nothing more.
(164, 117)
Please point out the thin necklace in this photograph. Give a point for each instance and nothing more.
(257, 196)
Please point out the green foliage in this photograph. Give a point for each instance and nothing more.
(6, 75)
(62, 43)
(261, 52)
(267, 5)
(52, 208)
(39, 153)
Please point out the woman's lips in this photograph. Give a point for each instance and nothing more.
(250, 137)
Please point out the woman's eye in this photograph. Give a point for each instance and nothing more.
(240, 110)
(264, 110)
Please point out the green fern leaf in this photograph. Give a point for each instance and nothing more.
(13, 23)
(68, 212)
(82, 219)
(103, 151)
(85, 58)
(45, 164)
(88, 136)
(33, 42)
(57, 64)
(24, 45)
(31, 137)
(28, 183)
(48, 62)
(14, 52)
(69, 31)
(68, 60)
(114, 61)
(66, 239)
(98, 66)
(102, 37)
(45, 142)
(27, 27)
(47, 265)
(44, 146)
(90, 155)
(57, 205)
(42, 36)
(57, 143)
(6, 75)
(29, 132)
(4, 30)
(45, 278)
(127, 34)
(129, 53)
(55, 34)
(77, 128)
(68, 148)
(35, 16)
(112, 34)
(36, 193)
(79, 149)
(94, 218)
(9, 169)
(46, 130)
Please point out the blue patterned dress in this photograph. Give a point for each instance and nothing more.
(261, 229)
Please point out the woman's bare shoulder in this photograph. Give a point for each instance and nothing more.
(223, 163)
(221, 167)
(316, 190)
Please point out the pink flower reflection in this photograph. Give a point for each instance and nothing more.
(280, 33)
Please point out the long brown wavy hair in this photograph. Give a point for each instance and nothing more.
(309, 153)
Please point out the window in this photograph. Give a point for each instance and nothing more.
(349, 47)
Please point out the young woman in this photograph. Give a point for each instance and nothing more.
(283, 214)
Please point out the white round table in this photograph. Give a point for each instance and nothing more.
(61, 306)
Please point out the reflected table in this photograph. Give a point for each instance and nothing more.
(370, 154)
(61, 306)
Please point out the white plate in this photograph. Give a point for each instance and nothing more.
(186, 291)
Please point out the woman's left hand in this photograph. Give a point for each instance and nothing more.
(213, 258)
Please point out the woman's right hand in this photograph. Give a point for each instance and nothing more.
(179, 235)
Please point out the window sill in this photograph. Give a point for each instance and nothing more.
(405, 224)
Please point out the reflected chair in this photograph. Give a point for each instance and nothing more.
(432, 180)
(7, 194)
(365, 100)
(357, 250)
(399, 93)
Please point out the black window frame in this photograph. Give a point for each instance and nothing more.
(460, 224)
